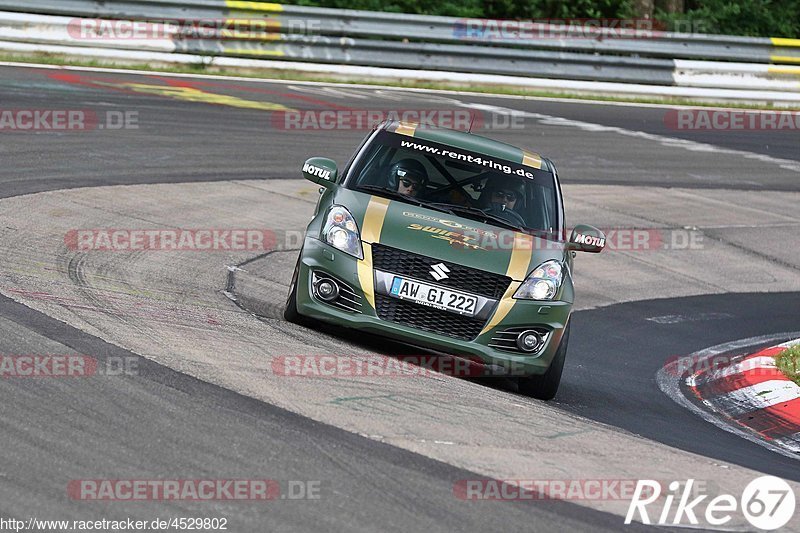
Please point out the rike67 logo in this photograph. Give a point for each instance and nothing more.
(767, 503)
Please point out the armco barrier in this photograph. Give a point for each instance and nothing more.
(369, 24)
(55, 30)
(399, 41)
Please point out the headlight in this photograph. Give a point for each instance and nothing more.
(341, 232)
(542, 283)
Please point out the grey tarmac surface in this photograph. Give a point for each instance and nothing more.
(179, 139)
(160, 424)
(190, 141)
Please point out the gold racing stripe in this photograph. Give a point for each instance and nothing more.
(531, 160)
(517, 271)
(371, 232)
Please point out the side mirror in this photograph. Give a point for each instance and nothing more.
(585, 238)
(321, 170)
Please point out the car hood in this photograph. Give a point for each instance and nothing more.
(447, 237)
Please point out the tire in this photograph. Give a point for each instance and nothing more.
(290, 312)
(545, 386)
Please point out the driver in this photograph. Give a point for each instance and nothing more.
(408, 176)
(503, 194)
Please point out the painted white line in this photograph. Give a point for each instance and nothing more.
(396, 96)
(668, 380)
(755, 397)
(699, 317)
(329, 92)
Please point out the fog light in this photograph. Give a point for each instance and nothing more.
(327, 290)
(528, 341)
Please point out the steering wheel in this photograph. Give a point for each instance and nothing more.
(508, 214)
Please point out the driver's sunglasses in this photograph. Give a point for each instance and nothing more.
(411, 184)
(509, 196)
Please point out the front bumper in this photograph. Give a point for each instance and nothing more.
(320, 257)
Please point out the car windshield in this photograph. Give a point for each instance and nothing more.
(459, 181)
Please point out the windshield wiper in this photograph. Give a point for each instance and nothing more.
(469, 210)
(404, 197)
(390, 193)
(444, 207)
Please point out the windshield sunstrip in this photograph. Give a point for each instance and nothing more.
(395, 140)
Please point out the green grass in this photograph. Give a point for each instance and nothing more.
(56, 59)
(788, 362)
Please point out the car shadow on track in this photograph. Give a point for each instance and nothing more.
(424, 358)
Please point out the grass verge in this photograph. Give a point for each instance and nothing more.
(788, 362)
(61, 60)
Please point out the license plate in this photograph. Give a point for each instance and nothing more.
(433, 296)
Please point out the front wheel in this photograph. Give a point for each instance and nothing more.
(545, 386)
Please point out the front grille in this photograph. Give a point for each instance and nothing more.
(460, 277)
(427, 318)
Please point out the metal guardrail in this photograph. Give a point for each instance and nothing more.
(320, 35)
(420, 28)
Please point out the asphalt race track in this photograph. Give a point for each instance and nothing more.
(202, 404)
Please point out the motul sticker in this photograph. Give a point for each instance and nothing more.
(319, 172)
(590, 240)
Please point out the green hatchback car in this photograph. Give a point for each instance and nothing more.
(448, 241)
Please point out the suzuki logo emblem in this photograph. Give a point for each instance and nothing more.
(439, 272)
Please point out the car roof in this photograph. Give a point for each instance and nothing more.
(468, 141)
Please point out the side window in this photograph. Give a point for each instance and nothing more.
(346, 171)
(542, 211)
(376, 166)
